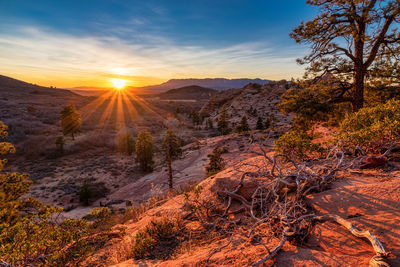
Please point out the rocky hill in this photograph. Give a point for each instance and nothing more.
(188, 92)
(252, 101)
(215, 83)
(368, 200)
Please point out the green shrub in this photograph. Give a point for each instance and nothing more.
(216, 162)
(31, 109)
(155, 231)
(371, 127)
(30, 234)
(243, 126)
(296, 144)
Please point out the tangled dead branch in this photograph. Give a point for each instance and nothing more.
(278, 203)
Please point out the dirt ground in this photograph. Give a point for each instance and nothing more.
(367, 198)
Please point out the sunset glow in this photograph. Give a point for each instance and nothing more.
(118, 84)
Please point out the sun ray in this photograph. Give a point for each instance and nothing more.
(160, 114)
(120, 123)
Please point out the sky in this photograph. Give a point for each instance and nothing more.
(90, 42)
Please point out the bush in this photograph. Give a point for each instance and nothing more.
(296, 144)
(243, 126)
(216, 162)
(30, 234)
(155, 231)
(371, 127)
(31, 109)
(85, 194)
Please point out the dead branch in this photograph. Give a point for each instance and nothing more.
(381, 253)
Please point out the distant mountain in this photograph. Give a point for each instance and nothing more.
(189, 92)
(216, 83)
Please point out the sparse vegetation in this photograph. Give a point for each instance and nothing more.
(30, 236)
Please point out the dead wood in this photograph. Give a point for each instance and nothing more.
(279, 202)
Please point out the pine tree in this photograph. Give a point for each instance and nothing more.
(70, 120)
(243, 126)
(223, 127)
(29, 236)
(216, 162)
(260, 124)
(356, 43)
(144, 149)
(126, 144)
(172, 151)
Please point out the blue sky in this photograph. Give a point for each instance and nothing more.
(149, 41)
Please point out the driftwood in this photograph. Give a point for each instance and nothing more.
(279, 203)
(381, 253)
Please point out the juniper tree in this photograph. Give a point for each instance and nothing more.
(144, 150)
(353, 44)
(172, 151)
(216, 162)
(243, 126)
(259, 124)
(70, 120)
(223, 127)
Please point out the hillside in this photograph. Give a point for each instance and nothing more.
(252, 101)
(188, 92)
(214, 83)
(368, 199)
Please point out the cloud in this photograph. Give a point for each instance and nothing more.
(49, 54)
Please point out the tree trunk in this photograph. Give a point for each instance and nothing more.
(358, 95)
(169, 169)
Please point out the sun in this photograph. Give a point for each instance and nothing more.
(118, 84)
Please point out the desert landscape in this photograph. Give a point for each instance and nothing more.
(122, 146)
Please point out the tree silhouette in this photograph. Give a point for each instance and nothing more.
(144, 149)
(352, 42)
(259, 124)
(172, 151)
(70, 120)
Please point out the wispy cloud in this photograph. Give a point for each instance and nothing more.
(76, 59)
